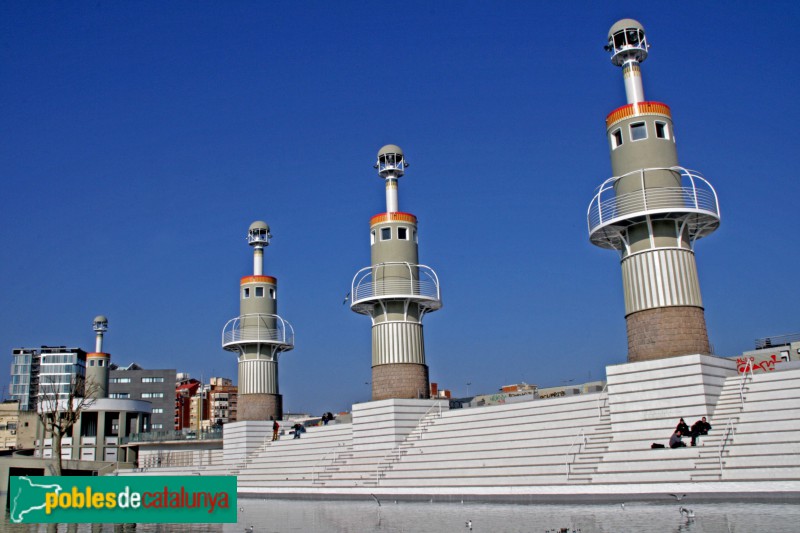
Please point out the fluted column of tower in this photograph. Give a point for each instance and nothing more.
(97, 362)
(396, 292)
(258, 335)
(652, 211)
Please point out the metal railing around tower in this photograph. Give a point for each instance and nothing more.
(695, 195)
(395, 280)
(258, 328)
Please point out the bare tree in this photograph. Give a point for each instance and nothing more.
(60, 407)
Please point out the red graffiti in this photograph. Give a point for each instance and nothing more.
(767, 365)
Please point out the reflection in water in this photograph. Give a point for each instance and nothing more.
(283, 516)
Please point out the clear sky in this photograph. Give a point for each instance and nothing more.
(140, 140)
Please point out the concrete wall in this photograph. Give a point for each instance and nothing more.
(383, 424)
(242, 438)
(653, 395)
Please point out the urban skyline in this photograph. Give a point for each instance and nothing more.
(140, 143)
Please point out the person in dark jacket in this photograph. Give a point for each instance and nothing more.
(701, 427)
(682, 427)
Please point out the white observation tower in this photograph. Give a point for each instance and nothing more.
(396, 292)
(258, 335)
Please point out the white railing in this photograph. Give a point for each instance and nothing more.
(395, 453)
(316, 470)
(727, 433)
(395, 279)
(602, 401)
(258, 328)
(581, 440)
(748, 366)
(694, 195)
(777, 340)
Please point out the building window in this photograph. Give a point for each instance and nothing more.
(638, 131)
(616, 139)
(152, 395)
(246, 292)
(153, 380)
(259, 292)
(402, 233)
(119, 395)
(158, 410)
(386, 234)
(157, 426)
(662, 132)
(120, 380)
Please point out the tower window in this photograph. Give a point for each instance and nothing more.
(372, 237)
(662, 132)
(638, 131)
(402, 233)
(272, 293)
(91, 362)
(616, 138)
(246, 292)
(100, 362)
(259, 292)
(386, 234)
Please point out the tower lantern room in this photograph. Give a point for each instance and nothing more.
(258, 237)
(100, 326)
(391, 165)
(628, 46)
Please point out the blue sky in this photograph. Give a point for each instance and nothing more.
(140, 140)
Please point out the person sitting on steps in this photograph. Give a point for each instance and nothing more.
(701, 427)
(675, 440)
(682, 427)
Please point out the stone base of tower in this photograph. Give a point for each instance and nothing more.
(666, 332)
(400, 380)
(259, 407)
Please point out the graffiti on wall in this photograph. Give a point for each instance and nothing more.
(765, 365)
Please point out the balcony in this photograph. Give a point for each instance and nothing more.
(395, 281)
(258, 329)
(694, 204)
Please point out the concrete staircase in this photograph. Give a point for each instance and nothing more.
(589, 458)
(328, 468)
(715, 446)
(402, 449)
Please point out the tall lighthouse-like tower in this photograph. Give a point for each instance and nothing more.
(98, 361)
(396, 292)
(258, 335)
(652, 211)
